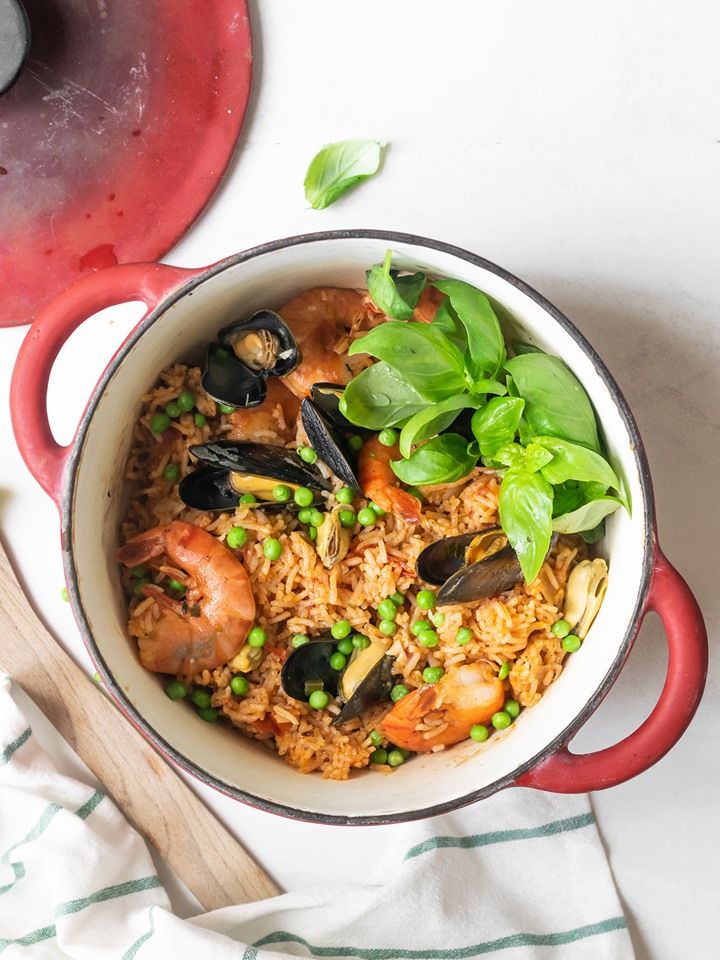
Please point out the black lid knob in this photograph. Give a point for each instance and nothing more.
(14, 41)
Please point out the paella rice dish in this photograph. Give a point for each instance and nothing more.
(362, 527)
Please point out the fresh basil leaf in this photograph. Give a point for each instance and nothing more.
(379, 397)
(496, 424)
(449, 322)
(487, 385)
(586, 517)
(486, 343)
(337, 167)
(422, 355)
(433, 420)
(519, 347)
(396, 296)
(441, 460)
(592, 536)
(536, 458)
(511, 455)
(555, 402)
(525, 507)
(568, 497)
(570, 461)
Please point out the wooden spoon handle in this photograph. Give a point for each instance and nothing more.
(203, 854)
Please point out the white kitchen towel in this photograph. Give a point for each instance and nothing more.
(520, 876)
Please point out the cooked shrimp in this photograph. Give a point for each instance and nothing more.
(379, 483)
(180, 643)
(427, 305)
(322, 321)
(260, 423)
(465, 695)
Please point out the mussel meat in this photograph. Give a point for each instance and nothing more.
(584, 594)
(248, 352)
(327, 442)
(470, 566)
(367, 678)
(333, 539)
(232, 468)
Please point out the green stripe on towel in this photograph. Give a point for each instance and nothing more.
(107, 893)
(15, 745)
(458, 953)
(131, 952)
(36, 936)
(87, 808)
(502, 836)
(19, 868)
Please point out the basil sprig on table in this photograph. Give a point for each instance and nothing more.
(338, 167)
(532, 419)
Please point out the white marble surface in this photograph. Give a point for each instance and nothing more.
(577, 145)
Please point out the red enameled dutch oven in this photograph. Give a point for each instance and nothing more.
(184, 310)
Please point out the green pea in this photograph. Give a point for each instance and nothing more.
(201, 698)
(397, 598)
(561, 628)
(186, 401)
(395, 758)
(387, 609)
(571, 643)
(379, 756)
(463, 636)
(398, 692)
(429, 638)
(173, 409)
(282, 493)
(307, 454)
(272, 548)
(139, 570)
(176, 585)
(171, 472)
(176, 690)
(366, 516)
(387, 627)
(304, 515)
(237, 537)
(208, 714)
(425, 599)
(318, 700)
(377, 510)
(360, 642)
(226, 408)
(345, 646)
(247, 498)
(438, 619)
(200, 419)
(138, 589)
(504, 671)
(376, 738)
(257, 637)
(159, 422)
(501, 720)
(303, 497)
(312, 533)
(432, 674)
(239, 686)
(479, 732)
(317, 517)
(512, 707)
(338, 661)
(341, 629)
(419, 626)
(299, 640)
(64, 595)
(355, 443)
(347, 518)
(388, 437)
(344, 495)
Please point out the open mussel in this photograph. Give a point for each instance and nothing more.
(584, 594)
(470, 567)
(326, 397)
(366, 680)
(328, 443)
(333, 539)
(231, 469)
(247, 353)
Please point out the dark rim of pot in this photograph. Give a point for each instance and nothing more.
(136, 717)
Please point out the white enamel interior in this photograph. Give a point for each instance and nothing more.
(180, 333)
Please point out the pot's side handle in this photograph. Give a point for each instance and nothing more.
(567, 772)
(149, 282)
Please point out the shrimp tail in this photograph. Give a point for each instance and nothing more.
(405, 504)
(145, 546)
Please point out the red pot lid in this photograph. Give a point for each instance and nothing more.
(114, 137)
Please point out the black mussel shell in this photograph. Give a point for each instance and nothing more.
(327, 442)
(440, 560)
(227, 380)
(309, 663)
(493, 575)
(373, 688)
(326, 397)
(261, 460)
(274, 355)
(208, 488)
